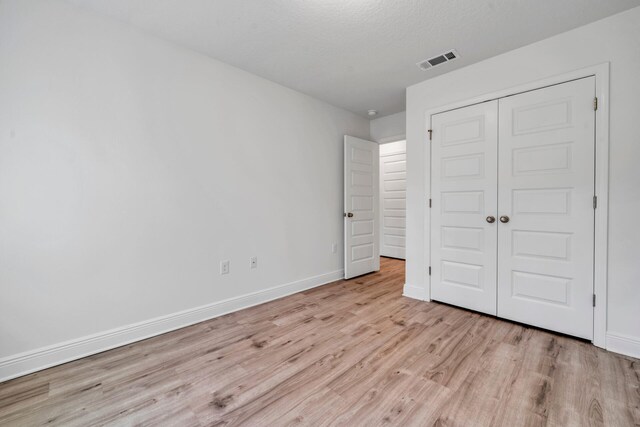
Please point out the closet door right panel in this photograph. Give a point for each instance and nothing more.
(545, 203)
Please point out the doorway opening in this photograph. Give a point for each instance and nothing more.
(393, 199)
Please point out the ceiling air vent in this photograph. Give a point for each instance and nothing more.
(437, 60)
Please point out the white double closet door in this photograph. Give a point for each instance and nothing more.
(512, 219)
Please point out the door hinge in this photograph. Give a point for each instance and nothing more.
(595, 202)
(595, 103)
(429, 202)
(594, 300)
(429, 270)
(430, 134)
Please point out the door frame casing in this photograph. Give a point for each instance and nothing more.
(601, 231)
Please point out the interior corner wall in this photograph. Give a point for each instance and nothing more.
(615, 39)
(389, 128)
(130, 167)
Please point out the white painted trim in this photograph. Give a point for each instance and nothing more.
(415, 292)
(601, 73)
(623, 344)
(45, 357)
(601, 257)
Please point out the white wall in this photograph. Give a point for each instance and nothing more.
(389, 128)
(130, 167)
(615, 39)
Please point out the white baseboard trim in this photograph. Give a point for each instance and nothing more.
(415, 292)
(629, 346)
(31, 361)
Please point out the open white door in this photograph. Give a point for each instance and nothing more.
(361, 247)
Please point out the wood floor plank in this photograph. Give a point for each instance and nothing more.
(351, 353)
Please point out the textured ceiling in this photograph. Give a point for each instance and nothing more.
(356, 54)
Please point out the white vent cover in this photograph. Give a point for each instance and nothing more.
(437, 60)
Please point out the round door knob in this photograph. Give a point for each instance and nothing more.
(491, 219)
(504, 219)
(350, 215)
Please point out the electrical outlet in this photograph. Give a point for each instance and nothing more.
(334, 247)
(224, 267)
(253, 262)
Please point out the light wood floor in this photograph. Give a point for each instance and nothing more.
(350, 353)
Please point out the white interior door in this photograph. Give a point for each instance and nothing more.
(464, 207)
(361, 250)
(393, 201)
(545, 250)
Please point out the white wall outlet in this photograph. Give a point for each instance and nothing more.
(253, 262)
(334, 247)
(224, 267)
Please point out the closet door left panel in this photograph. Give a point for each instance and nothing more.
(464, 186)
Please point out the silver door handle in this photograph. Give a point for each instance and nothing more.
(504, 219)
(491, 219)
